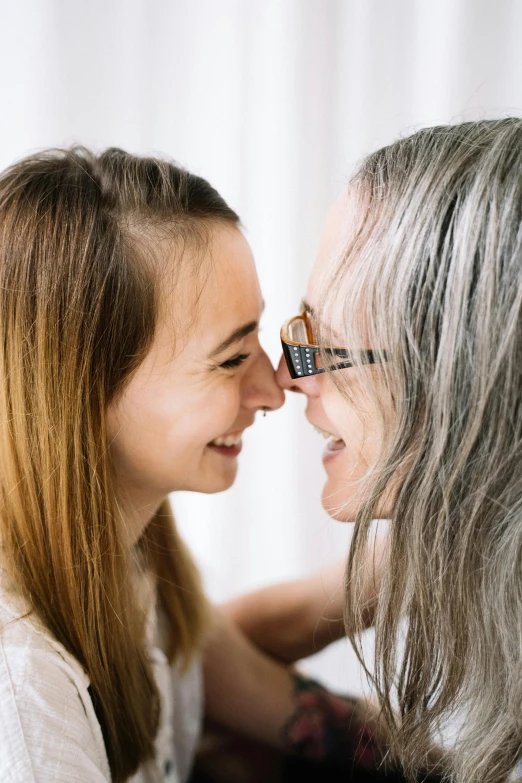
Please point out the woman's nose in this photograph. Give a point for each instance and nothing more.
(309, 386)
(283, 376)
(284, 380)
(262, 390)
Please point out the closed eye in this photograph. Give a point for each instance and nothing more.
(236, 361)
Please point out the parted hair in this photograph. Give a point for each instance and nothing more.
(78, 305)
(433, 276)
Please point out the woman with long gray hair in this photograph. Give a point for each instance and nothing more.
(416, 304)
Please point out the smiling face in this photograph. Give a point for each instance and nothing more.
(353, 428)
(179, 422)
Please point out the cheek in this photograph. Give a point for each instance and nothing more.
(206, 417)
(145, 436)
(158, 435)
(358, 431)
(215, 411)
(341, 493)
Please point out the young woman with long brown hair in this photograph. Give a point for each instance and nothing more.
(130, 366)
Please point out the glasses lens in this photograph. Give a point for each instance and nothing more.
(297, 331)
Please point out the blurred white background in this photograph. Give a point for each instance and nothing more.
(273, 101)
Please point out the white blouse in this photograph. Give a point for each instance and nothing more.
(49, 730)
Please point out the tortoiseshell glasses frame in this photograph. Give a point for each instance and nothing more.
(301, 351)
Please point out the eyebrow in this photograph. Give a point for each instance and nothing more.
(236, 336)
(307, 308)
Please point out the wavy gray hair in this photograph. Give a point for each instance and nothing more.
(435, 267)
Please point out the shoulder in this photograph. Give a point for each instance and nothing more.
(50, 730)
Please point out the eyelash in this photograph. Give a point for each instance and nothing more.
(236, 361)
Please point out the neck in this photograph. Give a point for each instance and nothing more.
(136, 509)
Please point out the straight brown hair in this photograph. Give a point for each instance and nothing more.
(77, 316)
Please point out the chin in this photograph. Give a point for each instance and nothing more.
(339, 513)
(211, 485)
(344, 507)
(337, 504)
(219, 486)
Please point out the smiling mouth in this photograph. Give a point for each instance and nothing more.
(227, 445)
(335, 443)
(227, 440)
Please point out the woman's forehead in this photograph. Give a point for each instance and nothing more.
(338, 228)
(217, 293)
(231, 286)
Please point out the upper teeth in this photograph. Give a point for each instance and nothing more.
(229, 440)
(326, 435)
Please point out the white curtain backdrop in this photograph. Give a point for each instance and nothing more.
(273, 101)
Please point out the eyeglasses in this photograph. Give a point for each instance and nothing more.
(301, 351)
